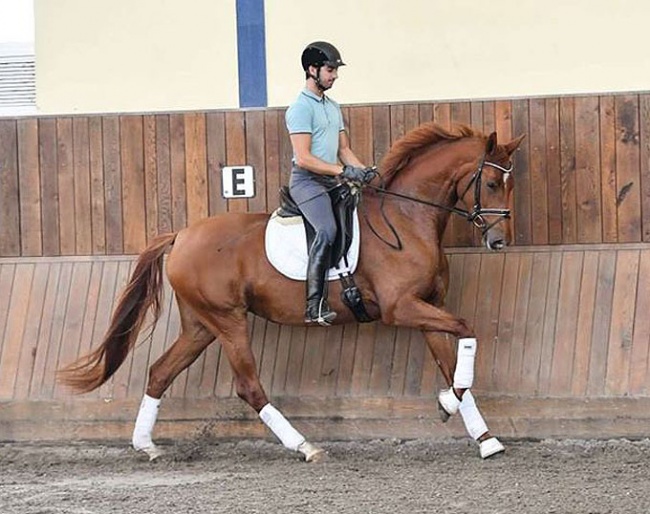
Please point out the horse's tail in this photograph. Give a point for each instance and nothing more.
(143, 291)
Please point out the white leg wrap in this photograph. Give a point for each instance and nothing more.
(464, 374)
(474, 422)
(144, 423)
(279, 425)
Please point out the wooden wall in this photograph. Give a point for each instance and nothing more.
(561, 317)
(104, 185)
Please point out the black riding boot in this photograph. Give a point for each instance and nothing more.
(319, 262)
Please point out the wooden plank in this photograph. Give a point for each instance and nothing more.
(522, 215)
(112, 185)
(57, 330)
(400, 361)
(272, 160)
(507, 307)
(361, 126)
(164, 174)
(476, 115)
(216, 148)
(296, 359)
(539, 171)
(644, 144)
(29, 183)
(382, 360)
(487, 317)
(255, 132)
(554, 170)
(607, 119)
(416, 356)
(584, 325)
(65, 174)
(9, 192)
(621, 331)
(639, 378)
(397, 129)
(150, 176)
(519, 337)
(568, 171)
(411, 117)
(534, 330)
(49, 186)
(628, 179)
(346, 363)
(330, 365)
(602, 317)
(178, 190)
(30, 342)
(281, 365)
(489, 117)
(15, 326)
(503, 119)
(380, 132)
(98, 212)
(460, 232)
(269, 354)
(565, 334)
(364, 351)
(133, 184)
(588, 177)
(196, 167)
(310, 376)
(82, 196)
(45, 330)
(425, 113)
(551, 314)
(442, 114)
(73, 321)
(286, 150)
(236, 152)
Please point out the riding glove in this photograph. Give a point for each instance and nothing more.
(359, 175)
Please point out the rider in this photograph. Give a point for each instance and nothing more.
(319, 142)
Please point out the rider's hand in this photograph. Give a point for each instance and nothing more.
(359, 175)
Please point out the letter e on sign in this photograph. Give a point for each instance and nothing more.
(237, 182)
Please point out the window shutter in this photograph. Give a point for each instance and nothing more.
(17, 80)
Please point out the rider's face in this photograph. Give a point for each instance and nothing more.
(328, 74)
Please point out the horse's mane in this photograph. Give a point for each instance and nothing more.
(416, 140)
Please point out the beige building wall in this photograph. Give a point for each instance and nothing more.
(167, 55)
(135, 55)
(418, 50)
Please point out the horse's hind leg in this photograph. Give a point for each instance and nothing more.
(474, 423)
(234, 341)
(194, 338)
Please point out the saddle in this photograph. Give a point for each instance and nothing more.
(344, 203)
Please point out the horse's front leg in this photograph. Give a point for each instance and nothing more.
(411, 311)
(475, 425)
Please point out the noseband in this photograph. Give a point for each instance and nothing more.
(475, 216)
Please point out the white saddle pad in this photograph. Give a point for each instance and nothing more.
(286, 247)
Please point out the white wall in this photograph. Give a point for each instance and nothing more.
(165, 55)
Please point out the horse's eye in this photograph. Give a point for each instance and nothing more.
(492, 184)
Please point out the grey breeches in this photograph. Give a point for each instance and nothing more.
(314, 201)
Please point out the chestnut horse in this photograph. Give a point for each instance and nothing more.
(218, 271)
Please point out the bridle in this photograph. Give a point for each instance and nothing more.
(476, 216)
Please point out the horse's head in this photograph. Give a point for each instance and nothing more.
(485, 190)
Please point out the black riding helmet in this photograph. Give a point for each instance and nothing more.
(318, 54)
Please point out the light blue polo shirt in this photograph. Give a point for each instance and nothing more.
(320, 117)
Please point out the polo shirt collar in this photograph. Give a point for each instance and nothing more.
(312, 95)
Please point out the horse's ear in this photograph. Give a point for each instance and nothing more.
(512, 145)
(491, 144)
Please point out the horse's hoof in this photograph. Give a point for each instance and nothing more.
(448, 403)
(444, 415)
(491, 447)
(312, 453)
(152, 451)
